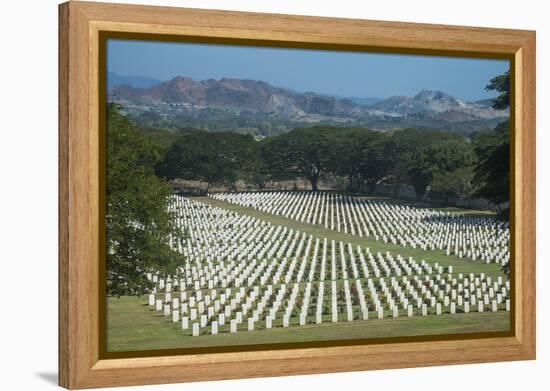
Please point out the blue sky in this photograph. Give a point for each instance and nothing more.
(329, 72)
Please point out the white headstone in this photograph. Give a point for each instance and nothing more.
(424, 310)
(214, 328)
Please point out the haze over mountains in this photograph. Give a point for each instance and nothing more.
(259, 108)
(114, 80)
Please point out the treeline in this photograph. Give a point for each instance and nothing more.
(447, 164)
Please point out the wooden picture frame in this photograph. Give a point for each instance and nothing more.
(81, 362)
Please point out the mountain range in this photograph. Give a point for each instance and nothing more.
(258, 107)
(114, 80)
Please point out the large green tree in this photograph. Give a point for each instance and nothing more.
(421, 155)
(457, 182)
(377, 160)
(303, 152)
(139, 225)
(500, 84)
(492, 173)
(213, 158)
(362, 156)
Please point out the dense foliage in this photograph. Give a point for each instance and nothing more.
(213, 158)
(138, 222)
(493, 150)
(501, 84)
(364, 157)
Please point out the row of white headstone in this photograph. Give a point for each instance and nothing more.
(477, 238)
(241, 273)
(260, 307)
(214, 252)
(200, 308)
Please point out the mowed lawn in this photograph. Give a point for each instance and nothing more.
(132, 326)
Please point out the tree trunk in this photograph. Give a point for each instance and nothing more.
(313, 181)
(372, 187)
(395, 190)
(420, 191)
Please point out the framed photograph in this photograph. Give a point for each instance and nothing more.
(246, 195)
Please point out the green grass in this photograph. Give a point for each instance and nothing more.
(463, 265)
(132, 325)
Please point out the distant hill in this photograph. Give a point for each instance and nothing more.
(438, 105)
(259, 108)
(115, 80)
(364, 101)
(236, 95)
(484, 102)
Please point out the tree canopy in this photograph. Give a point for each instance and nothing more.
(213, 158)
(492, 174)
(416, 157)
(500, 84)
(304, 152)
(139, 224)
(362, 156)
(422, 155)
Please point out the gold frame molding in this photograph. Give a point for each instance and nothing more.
(83, 26)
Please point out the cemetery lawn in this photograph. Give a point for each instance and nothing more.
(459, 265)
(132, 326)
